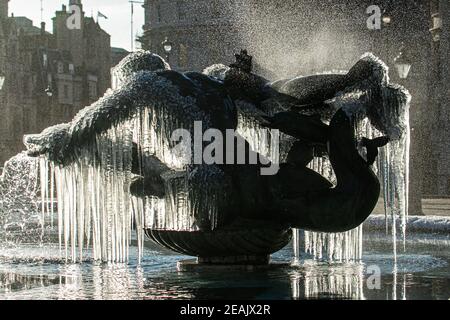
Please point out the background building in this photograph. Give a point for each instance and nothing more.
(199, 30)
(117, 54)
(48, 77)
(294, 37)
(439, 133)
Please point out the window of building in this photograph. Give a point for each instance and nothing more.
(60, 67)
(434, 6)
(92, 86)
(66, 91)
(158, 13)
(71, 68)
(44, 60)
(181, 9)
(26, 87)
(215, 8)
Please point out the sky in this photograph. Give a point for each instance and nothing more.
(117, 11)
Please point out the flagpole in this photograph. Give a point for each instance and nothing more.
(132, 2)
(100, 15)
(132, 26)
(42, 10)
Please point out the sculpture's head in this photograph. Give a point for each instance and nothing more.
(140, 60)
(369, 91)
(391, 116)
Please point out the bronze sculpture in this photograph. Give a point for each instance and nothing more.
(253, 213)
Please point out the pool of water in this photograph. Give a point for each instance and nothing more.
(421, 272)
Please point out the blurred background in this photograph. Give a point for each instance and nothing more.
(54, 60)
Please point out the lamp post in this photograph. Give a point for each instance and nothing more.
(167, 46)
(403, 63)
(2, 81)
(133, 2)
(49, 92)
(436, 29)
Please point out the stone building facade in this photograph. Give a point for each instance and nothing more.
(48, 77)
(440, 133)
(294, 37)
(199, 31)
(117, 54)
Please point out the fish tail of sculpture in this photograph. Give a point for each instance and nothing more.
(347, 205)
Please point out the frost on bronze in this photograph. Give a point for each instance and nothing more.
(117, 167)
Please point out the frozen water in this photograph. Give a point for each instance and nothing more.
(377, 108)
(20, 220)
(88, 164)
(90, 180)
(331, 281)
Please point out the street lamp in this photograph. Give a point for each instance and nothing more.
(436, 30)
(2, 82)
(386, 20)
(49, 92)
(403, 63)
(167, 46)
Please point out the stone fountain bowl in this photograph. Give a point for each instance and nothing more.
(232, 245)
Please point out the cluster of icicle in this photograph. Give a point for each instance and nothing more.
(261, 139)
(392, 167)
(94, 205)
(338, 283)
(391, 117)
(345, 246)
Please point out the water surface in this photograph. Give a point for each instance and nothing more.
(422, 272)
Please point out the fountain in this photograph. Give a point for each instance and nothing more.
(305, 154)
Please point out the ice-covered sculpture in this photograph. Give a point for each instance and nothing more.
(117, 164)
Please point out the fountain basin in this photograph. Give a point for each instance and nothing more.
(252, 245)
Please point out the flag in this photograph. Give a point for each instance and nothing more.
(101, 15)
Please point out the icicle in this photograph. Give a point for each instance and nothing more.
(344, 285)
(345, 246)
(296, 244)
(43, 169)
(93, 199)
(259, 137)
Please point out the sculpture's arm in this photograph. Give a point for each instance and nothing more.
(142, 90)
(52, 141)
(306, 128)
(99, 116)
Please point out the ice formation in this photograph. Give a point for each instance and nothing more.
(217, 71)
(338, 282)
(19, 218)
(377, 108)
(426, 224)
(90, 168)
(88, 164)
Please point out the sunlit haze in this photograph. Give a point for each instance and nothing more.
(117, 11)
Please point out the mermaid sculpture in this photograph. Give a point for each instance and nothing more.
(217, 210)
